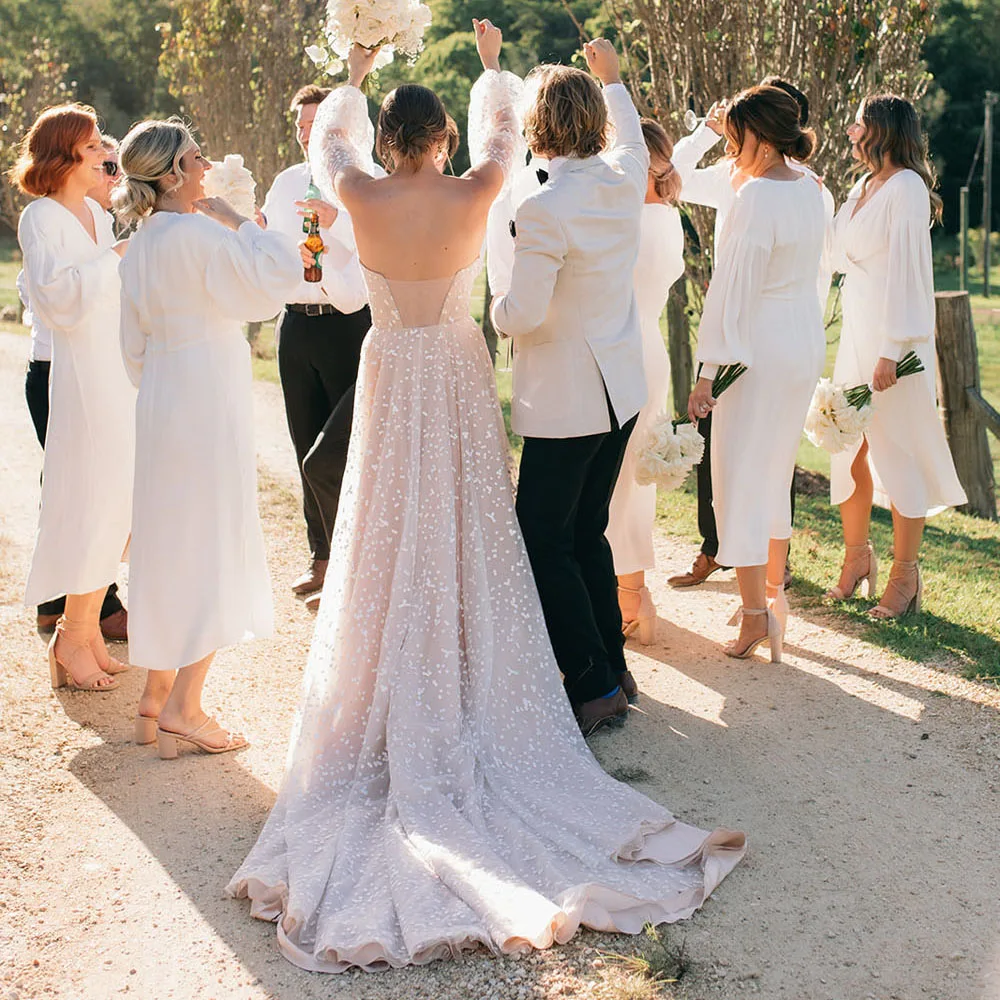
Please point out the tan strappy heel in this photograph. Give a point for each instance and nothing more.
(167, 741)
(773, 637)
(905, 603)
(61, 673)
(645, 622)
(868, 579)
(145, 730)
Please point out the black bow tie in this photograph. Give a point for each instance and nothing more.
(542, 175)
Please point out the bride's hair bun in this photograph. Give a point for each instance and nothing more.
(150, 151)
(411, 123)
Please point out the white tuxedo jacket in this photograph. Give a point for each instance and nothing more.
(571, 305)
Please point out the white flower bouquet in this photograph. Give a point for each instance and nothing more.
(838, 417)
(668, 453)
(233, 182)
(395, 25)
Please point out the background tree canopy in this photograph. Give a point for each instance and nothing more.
(231, 65)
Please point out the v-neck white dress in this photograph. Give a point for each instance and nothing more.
(72, 284)
(884, 252)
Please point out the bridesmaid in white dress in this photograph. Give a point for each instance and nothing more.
(761, 310)
(659, 265)
(198, 579)
(882, 244)
(439, 793)
(71, 263)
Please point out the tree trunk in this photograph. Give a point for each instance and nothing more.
(488, 331)
(958, 390)
(679, 342)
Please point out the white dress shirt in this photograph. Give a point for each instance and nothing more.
(343, 285)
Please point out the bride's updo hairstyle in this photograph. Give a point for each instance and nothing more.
(774, 117)
(412, 122)
(568, 116)
(150, 152)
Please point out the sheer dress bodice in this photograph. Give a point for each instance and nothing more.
(398, 304)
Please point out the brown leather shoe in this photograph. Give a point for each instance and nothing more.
(115, 626)
(312, 579)
(312, 601)
(629, 686)
(701, 569)
(602, 713)
(47, 623)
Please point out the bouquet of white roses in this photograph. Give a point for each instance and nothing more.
(233, 182)
(838, 416)
(668, 453)
(395, 25)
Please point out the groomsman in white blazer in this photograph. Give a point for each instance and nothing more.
(578, 380)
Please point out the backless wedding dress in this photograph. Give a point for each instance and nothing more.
(439, 795)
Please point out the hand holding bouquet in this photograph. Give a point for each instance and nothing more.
(838, 417)
(668, 453)
(388, 25)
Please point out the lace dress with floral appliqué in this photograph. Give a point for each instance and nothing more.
(439, 795)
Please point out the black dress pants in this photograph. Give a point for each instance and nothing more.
(318, 358)
(563, 495)
(706, 512)
(36, 392)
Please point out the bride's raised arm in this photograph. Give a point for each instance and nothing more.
(340, 145)
(495, 138)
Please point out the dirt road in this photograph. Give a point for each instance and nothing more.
(869, 788)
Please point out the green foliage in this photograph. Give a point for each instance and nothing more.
(962, 57)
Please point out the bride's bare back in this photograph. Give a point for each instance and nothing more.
(420, 225)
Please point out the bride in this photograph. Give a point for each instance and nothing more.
(439, 794)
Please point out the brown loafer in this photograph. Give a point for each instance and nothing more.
(629, 686)
(47, 623)
(602, 713)
(701, 569)
(312, 579)
(115, 626)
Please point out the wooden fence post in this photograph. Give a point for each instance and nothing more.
(963, 408)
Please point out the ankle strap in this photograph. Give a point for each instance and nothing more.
(629, 590)
(859, 548)
(754, 611)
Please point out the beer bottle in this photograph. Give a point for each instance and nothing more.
(314, 244)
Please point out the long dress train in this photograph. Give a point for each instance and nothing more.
(439, 794)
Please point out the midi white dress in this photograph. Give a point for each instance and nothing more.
(633, 507)
(439, 795)
(198, 578)
(72, 284)
(762, 310)
(884, 252)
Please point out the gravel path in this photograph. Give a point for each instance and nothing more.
(869, 788)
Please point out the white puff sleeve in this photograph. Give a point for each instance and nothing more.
(908, 316)
(745, 249)
(62, 290)
(342, 137)
(251, 273)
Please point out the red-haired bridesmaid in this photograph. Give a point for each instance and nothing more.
(71, 272)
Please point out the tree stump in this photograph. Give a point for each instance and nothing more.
(959, 395)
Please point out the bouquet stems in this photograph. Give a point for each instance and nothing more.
(861, 395)
(724, 378)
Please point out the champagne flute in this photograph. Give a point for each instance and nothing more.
(692, 121)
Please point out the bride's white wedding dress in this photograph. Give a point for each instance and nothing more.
(439, 794)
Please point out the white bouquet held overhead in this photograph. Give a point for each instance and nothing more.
(838, 417)
(389, 25)
(232, 181)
